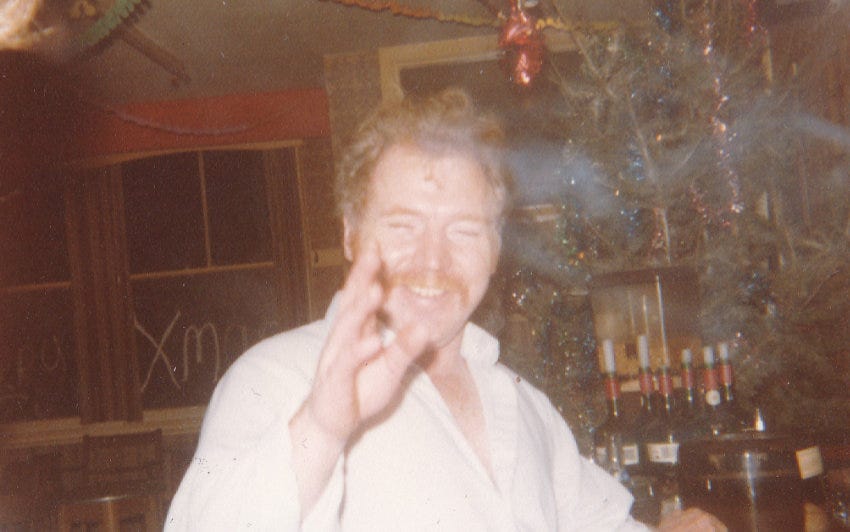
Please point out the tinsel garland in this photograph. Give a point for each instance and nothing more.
(419, 13)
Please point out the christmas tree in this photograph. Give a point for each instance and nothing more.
(680, 148)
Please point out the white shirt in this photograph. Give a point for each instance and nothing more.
(411, 469)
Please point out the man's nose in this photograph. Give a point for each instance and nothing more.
(433, 250)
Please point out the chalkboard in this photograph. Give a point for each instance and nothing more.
(189, 330)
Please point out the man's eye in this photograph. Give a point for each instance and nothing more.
(400, 225)
(467, 232)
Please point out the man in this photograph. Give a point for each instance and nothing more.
(393, 413)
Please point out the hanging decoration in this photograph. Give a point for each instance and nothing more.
(520, 32)
(522, 42)
(106, 24)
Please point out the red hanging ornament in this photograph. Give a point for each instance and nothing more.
(522, 43)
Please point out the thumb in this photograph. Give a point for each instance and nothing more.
(407, 346)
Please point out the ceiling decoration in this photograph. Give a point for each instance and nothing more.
(422, 12)
(115, 17)
(522, 41)
(106, 23)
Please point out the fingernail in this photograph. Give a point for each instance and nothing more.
(387, 336)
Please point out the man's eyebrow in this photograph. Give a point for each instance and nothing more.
(399, 211)
(406, 211)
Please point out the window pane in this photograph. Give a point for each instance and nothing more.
(162, 202)
(237, 206)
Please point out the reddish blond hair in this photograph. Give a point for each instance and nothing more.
(446, 122)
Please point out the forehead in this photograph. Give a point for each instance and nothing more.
(451, 179)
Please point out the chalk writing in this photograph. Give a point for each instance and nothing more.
(205, 344)
(160, 352)
(195, 336)
(32, 362)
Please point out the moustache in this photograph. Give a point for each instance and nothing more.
(436, 281)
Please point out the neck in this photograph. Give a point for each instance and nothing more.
(444, 361)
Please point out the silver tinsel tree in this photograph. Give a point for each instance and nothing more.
(681, 148)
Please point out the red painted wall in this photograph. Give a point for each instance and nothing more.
(216, 121)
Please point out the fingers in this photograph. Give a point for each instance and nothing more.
(407, 346)
(363, 274)
(379, 378)
(692, 519)
(354, 333)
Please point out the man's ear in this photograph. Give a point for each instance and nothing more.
(348, 235)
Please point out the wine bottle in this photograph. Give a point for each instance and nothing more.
(646, 504)
(661, 435)
(736, 418)
(662, 439)
(688, 403)
(725, 372)
(689, 413)
(720, 418)
(711, 394)
(647, 410)
(615, 430)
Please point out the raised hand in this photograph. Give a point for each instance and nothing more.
(357, 377)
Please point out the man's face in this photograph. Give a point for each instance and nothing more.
(433, 221)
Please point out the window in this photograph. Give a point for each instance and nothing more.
(206, 279)
(38, 376)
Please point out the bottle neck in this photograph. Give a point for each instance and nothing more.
(725, 377)
(665, 388)
(688, 387)
(645, 381)
(612, 394)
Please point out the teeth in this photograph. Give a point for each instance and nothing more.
(426, 291)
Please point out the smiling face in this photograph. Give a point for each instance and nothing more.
(434, 221)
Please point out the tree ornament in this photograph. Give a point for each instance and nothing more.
(522, 43)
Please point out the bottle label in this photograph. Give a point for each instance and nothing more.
(709, 379)
(630, 454)
(665, 384)
(809, 462)
(601, 455)
(663, 453)
(725, 374)
(671, 504)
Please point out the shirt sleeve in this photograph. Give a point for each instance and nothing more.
(242, 477)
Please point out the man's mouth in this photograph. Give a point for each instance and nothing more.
(426, 291)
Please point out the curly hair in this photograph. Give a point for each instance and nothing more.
(446, 122)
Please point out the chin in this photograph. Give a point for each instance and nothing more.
(442, 330)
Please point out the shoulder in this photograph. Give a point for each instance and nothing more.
(537, 413)
(296, 350)
(277, 368)
(527, 391)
